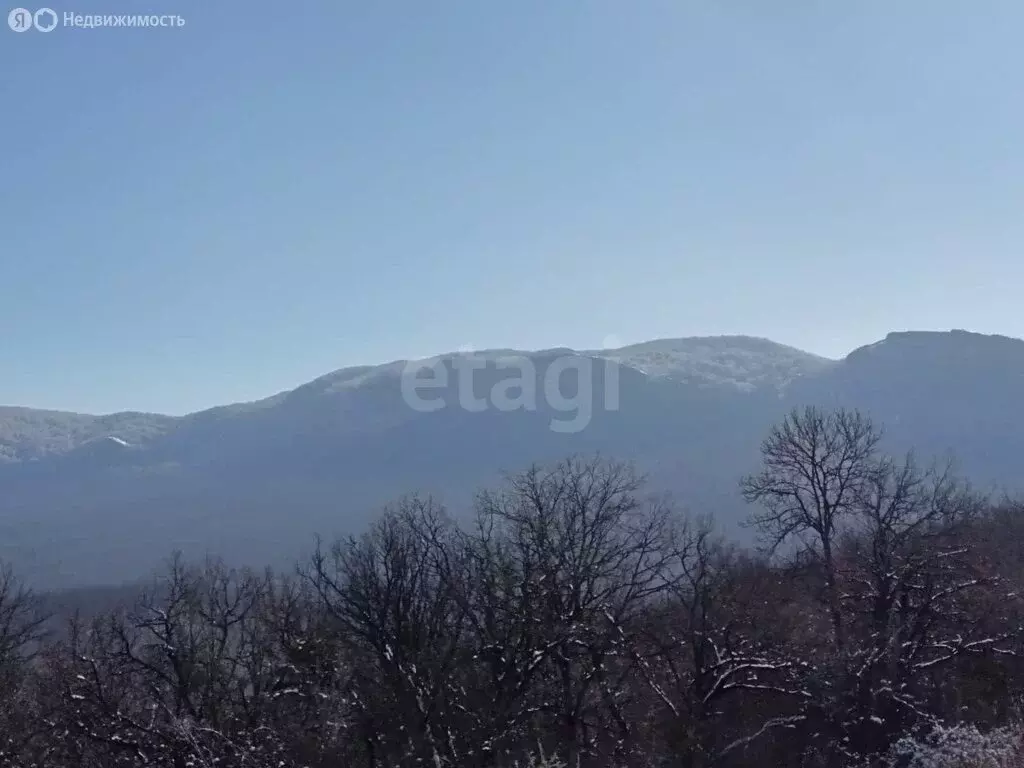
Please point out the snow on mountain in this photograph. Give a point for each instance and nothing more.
(743, 363)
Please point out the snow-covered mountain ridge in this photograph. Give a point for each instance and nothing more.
(742, 363)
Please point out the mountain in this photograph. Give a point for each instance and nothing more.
(27, 434)
(101, 499)
(953, 393)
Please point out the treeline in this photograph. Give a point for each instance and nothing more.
(574, 618)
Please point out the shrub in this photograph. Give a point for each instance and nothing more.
(959, 746)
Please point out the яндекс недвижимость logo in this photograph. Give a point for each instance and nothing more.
(47, 20)
(22, 19)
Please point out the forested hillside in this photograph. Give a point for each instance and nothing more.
(577, 620)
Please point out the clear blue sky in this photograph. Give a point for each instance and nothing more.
(215, 213)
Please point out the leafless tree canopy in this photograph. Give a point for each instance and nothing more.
(574, 617)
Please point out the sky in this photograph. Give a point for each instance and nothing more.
(216, 212)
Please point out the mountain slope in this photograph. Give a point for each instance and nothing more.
(954, 393)
(100, 499)
(27, 434)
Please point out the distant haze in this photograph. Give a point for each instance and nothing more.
(90, 499)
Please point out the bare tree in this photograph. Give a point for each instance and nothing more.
(814, 464)
(708, 657)
(22, 630)
(390, 598)
(915, 589)
(583, 557)
(183, 678)
(22, 620)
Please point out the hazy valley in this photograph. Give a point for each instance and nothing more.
(99, 499)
